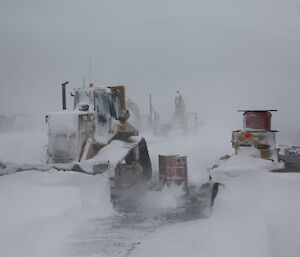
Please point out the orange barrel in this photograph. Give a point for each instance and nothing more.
(173, 170)
(257, 120)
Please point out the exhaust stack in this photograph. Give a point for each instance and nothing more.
(63, 85)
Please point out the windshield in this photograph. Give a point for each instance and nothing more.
(102, 101)
(105, 102)
(84, 96)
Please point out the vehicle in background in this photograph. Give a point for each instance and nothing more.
(256, 135)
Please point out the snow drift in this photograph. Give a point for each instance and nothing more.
(39, 209)
(255, 214)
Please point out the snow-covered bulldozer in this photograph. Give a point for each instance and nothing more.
(95, 137)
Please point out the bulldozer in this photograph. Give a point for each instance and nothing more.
(96, 137)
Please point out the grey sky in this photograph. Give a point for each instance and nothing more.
(221, 54)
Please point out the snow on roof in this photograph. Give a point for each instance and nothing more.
(69, 112)
(105, 88)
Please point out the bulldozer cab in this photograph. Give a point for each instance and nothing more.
(104, 102)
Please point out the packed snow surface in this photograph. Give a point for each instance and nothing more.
(39, 209)
(255, 214)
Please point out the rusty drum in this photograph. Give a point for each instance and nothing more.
(173, 170)
(257, 120)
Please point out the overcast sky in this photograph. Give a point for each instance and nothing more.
(221, 54)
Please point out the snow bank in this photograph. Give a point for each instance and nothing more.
(255, 214)
(241, 164)
(270, 198)
(39, 209)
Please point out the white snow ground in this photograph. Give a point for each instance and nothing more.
(256, 213)
(39, 209)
